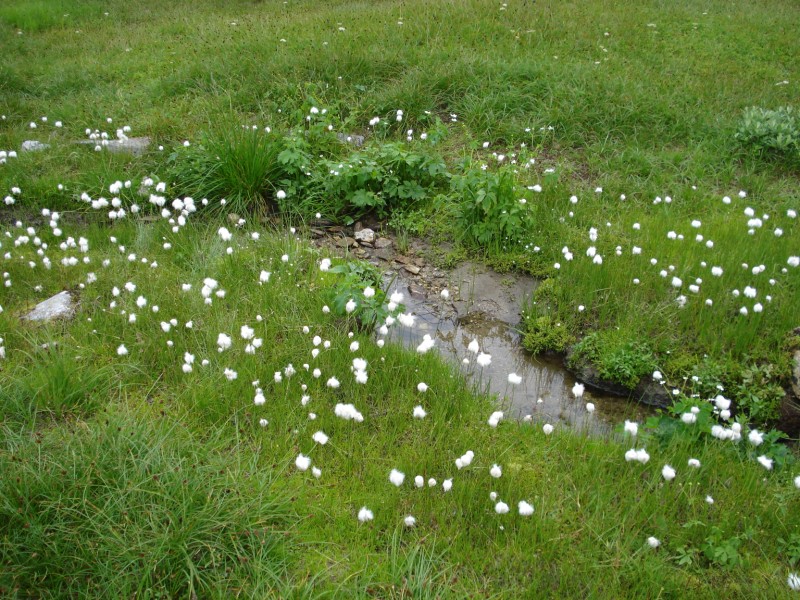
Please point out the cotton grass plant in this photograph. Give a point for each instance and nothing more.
(217, 443)
(270, 417)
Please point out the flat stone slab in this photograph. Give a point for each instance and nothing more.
(365, 235)
(134, 145)
(60, 306)
(34, 146)
(354, 139)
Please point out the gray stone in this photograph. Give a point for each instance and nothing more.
(345, 242)
(355, 140)
(134, 145)
(365, 235)
(33, 146)
(796, 374)
(57, 307)
(383, 243)
(416, 291)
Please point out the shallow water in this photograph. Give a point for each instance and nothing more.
(545, 390)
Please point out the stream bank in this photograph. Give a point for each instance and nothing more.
(484, 305)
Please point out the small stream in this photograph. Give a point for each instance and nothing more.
(546, 388)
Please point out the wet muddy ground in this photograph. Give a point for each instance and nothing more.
(484, 305)
(545, 392)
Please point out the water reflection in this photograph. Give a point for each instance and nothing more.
(545, 390)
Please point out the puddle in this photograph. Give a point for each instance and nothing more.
(546, 388)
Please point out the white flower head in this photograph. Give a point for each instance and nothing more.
(302, 462)
(765, 462)
(525, 509)
(396, 477)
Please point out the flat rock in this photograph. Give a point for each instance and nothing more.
(34, 146)
(134, 145)
(60, 306)
(354, 139)
(384, 254)
(383, 243)
(416, 291)
(413, 269)
(365, 235)
(345, 242)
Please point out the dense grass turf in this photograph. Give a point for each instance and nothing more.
(125, 473)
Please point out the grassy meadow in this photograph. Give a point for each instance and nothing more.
(215, 422)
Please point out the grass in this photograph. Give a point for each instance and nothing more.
(622, 100)
(643, 101)
(194, 442)
(138, 507)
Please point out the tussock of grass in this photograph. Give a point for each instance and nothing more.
(138, 507)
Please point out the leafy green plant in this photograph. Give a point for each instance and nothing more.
(723, 550)
(543, 326)
(759, 393)
(543, 334)
(686, 556)
(380, 178)
(791, 548)
(369, 310)
(771, 130)
(628, 363)
(490, 210)
(616, 357)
